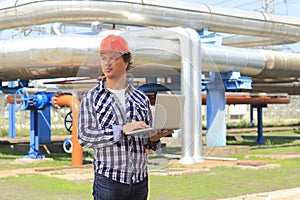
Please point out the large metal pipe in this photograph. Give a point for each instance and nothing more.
(252, 41)
(246, 98)
(20, 13)
(61, 100)
(75, 56)
(280, 64)
(292, 88)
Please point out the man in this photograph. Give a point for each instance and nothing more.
(108, 112)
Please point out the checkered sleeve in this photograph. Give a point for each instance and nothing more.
(90, 134)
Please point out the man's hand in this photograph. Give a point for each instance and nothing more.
(134, 125)
(156, 135)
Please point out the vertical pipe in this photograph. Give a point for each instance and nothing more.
(34, 152)
(186, 89)
(251, 116)
(77, 154)
(185, 53)
(196, 94)
(74, 105)
(44, 125)
(216, 113)
(186, 79)
(32, 145)
(260, 137)
(12, 116)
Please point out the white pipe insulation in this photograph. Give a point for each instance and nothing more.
(161, 13)
(75, 55)
(54, 56)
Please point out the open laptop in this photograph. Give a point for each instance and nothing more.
(167, 114)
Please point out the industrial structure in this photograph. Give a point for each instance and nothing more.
(179, 41)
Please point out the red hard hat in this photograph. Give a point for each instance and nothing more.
(114, 43)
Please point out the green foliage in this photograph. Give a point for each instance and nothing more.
(3, 132)
(246, 124)
(239, 124)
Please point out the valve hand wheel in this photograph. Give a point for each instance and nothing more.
(68, 122)
(21, 99)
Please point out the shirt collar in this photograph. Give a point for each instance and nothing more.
(102, 87)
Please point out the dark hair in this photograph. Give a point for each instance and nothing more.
(127, 58)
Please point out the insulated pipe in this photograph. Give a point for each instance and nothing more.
(74, 56)
(59, 101)
(95, 27)
(186, 88)
(252, 41)
(197, 16)
(279, 64)
(190, 87)
(60, 56)
(196, 93)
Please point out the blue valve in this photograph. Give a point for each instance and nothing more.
(38, 101)
(21, 99)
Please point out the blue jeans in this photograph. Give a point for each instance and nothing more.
(107, 189)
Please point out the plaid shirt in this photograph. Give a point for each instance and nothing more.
(119, 157)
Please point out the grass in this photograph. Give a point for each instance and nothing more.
(38, 187)
(7, 157)
(246, 124)
(271, 133)
(224, 182)
(25, 132)
(220, 182)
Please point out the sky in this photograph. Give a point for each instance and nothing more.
(280, 7)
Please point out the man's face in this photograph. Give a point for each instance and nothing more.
(113, 65)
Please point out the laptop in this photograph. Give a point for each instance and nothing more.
(167, 114)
